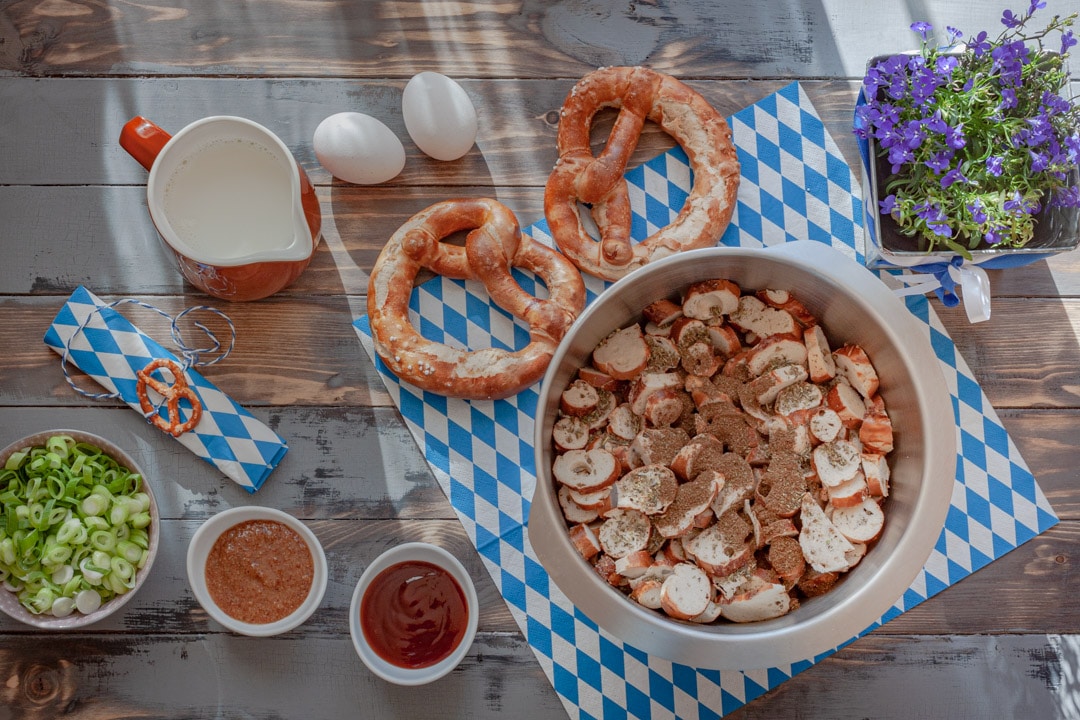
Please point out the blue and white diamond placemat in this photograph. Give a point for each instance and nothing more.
(795, 185)
(111, 350)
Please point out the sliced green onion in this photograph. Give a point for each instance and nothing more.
(7, 552)
(62, 606)
(91, 573)
(140, 537)
(71, 532)
(72, 586)
(93, 522)
(87, 601)
(102, 540)
(118, 513)
(63, 574)
(72, 526)
(55, 555)
(94, 505)
(129, 551)
(16, 459)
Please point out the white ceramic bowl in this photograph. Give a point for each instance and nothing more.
(852, 305)
(199, 549)
(422, 552)
(9, 602)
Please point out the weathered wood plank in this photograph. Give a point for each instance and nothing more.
(961, 678)
(361, 462)
(91, 676)
(95, 677)
(532, 38)
(343, 462)
(515, 143)
(1024, 355)
(1034, 586)
(165, 603)
(326, 365)
(59, 237)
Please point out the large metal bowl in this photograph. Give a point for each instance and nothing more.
(853, 306)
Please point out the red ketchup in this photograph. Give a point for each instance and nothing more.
(413, 614)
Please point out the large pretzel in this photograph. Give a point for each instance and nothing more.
(641, 94)
(172, 393)
(493, 246)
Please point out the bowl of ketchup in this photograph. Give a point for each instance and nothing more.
(414, 614)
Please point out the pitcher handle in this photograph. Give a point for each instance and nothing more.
(143, 140)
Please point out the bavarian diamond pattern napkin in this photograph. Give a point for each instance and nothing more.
(795, 185)
(111, 350)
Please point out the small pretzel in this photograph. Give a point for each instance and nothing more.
(641, 94)
(493, 246)
(172, 393)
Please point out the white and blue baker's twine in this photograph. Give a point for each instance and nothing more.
(192, 357)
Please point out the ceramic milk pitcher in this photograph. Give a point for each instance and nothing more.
(230, 202)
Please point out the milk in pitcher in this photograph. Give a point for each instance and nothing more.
(230, 198)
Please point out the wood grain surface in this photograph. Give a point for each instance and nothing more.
(1002, 643)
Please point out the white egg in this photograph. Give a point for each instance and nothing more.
(439, 116)
(359, 149)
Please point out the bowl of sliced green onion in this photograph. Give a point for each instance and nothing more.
(78, 529)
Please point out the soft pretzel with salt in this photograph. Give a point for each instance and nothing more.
(493, 246)
(640, 94)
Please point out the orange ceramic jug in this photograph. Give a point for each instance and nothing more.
(230, 202)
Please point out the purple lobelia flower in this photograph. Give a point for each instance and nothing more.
(995, 165)
(996, 234)
(979, 44)
(1054, 104)
(954, 137)
(1008, 99)
(953, 176)
(1067, 41)
(935, 218)
(899, 156)
(1009, 20)
(1072, 148)
(1066, 197)
(935, 123)
(978, 211)
(939, 161)
(1040, 129)
(945, 66)
(888, 205)
(913, 133)
(923, 28)
(1009, 60)
(1039, 162)
(1019, 205)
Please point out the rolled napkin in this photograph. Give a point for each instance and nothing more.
(111, 350)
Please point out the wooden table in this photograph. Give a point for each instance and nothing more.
(1002, 643)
